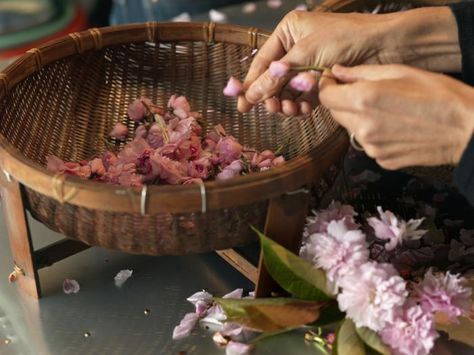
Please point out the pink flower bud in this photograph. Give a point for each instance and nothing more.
(279, 69)
(278, 161)
(136, 110)
(303, 81)
(119, 131)
(233, 88)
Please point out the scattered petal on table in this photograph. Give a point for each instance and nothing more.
(249, 8)
(217, 16)
(122, 276)
(70, 286)
(183, 17)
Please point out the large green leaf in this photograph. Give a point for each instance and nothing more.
(330, 314)
(372, 339)
(293, 274)
(270, 314)
(347, 341)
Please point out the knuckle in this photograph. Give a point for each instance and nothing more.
(365, 98)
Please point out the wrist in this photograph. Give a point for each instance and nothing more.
(426, 38)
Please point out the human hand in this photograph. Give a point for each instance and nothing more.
(422, 37)
(402, 116)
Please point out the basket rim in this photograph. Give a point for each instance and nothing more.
(155, 199)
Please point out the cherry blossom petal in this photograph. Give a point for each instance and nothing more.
(233, 88)
(186, 326)
(122, 276)
(70, 286)
(217, 16)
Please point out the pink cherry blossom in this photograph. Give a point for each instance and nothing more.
(233, 88)
(136, 110)
(141, 131)
(199, 168)
(335, 211)
(301, 7)
(70, 286)
(278, 161)
(186, 326)
(395, 231)
(411, 333)
(155, 136)
(279, 69)
(444, 293)
(230, 171)
(372, 295)
(173, 172)
(179, 102)
(303, 81)
(120, 131)
(236, 348)
(338, 252)
(97, 166)
(229, 149)
(182, 17)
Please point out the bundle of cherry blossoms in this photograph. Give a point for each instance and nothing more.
(167, 148)
(337, 280)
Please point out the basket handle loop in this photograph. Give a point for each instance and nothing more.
(76, 37)
(253, 37)
(58, 188)
(143, 200)
(202, 191)
(36, 52)
(209, 32)
(97, 38)
(151, 31)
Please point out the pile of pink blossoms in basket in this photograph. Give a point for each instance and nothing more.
(167, 148)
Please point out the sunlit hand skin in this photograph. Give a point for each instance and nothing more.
(425, 37)
(402, 116)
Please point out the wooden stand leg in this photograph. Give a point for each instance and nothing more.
(285, 222)
(24, 268)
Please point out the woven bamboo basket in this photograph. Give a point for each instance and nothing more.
(64, 97)
(441, 173)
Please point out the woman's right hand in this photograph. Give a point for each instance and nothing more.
(424, 37)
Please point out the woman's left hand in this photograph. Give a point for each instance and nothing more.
(401, 116)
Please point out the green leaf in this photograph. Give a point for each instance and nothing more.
(293, 274)
(270, 314)
(347, 341)
(330, 314)
(462, 332)
(372, 339)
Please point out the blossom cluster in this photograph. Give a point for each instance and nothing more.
(212, 316)
(372, 293)
(168, 148)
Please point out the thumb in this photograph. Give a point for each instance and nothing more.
(369, 72)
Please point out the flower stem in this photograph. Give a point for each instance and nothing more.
(311, 67)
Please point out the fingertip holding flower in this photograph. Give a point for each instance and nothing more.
(279, 69)
(303, 81)
(233, 88)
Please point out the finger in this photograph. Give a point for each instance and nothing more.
(266, 85)
(289, 107)
(348, 120)
(369, 72)
(273, 105)
(335, 96)
(272, 50)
